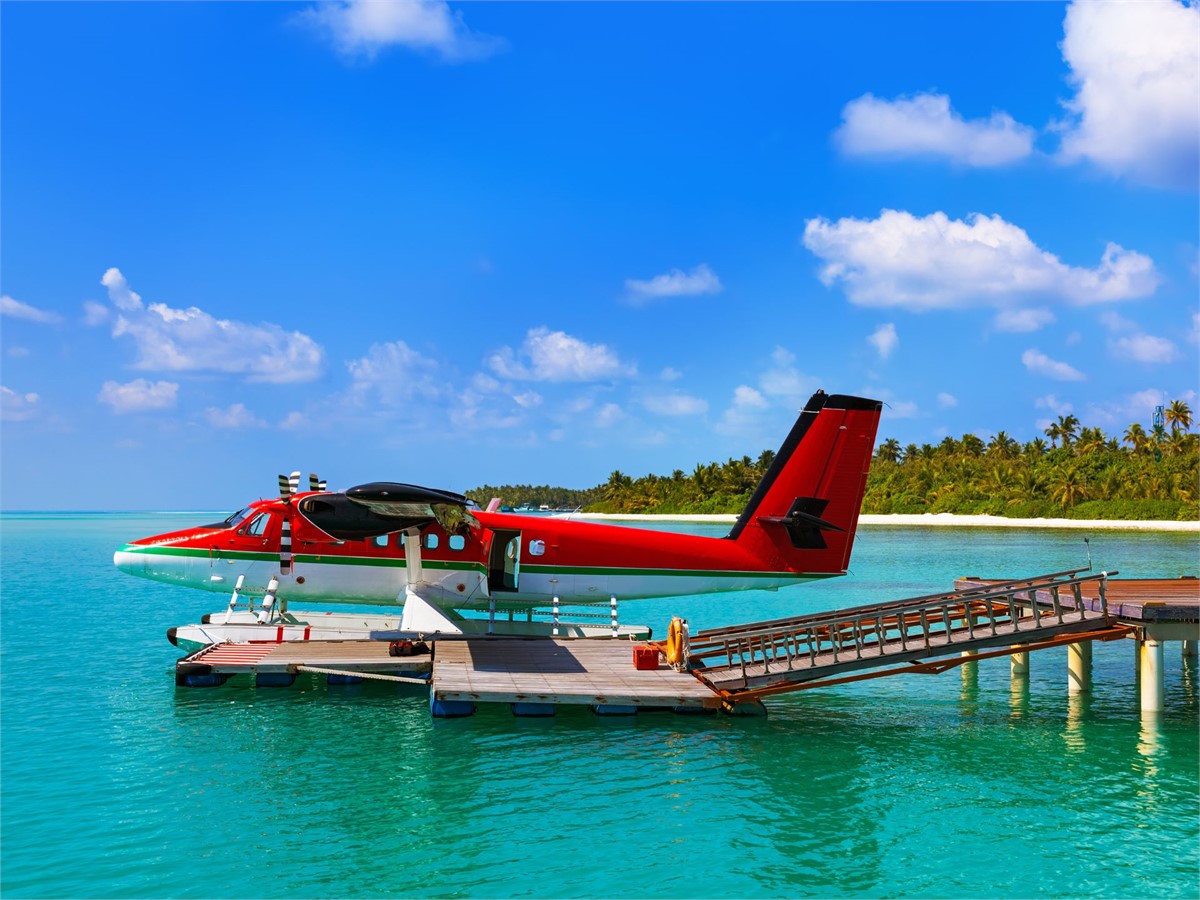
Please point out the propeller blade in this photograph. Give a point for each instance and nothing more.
(314, 484)
(285, 488)
(294, 482)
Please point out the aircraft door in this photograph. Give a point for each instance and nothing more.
(504, 561)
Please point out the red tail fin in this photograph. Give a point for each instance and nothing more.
(803, 515)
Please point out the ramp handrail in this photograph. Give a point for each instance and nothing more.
(901, 627)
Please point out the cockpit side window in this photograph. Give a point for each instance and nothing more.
(257, 527)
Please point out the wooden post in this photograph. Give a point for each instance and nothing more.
(1151, 670)
(1079, 667)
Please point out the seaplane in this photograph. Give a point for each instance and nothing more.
(444, 567)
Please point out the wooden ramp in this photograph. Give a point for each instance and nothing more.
(297, 656)
(554, 671)
(762, 658)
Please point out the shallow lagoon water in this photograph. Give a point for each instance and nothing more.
(118, 784)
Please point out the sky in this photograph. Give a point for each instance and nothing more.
(495, 243)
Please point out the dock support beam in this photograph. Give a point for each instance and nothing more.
(1079, 667)
(1150, 668)
(1190, 649)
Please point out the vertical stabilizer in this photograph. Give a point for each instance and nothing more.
(804, 512)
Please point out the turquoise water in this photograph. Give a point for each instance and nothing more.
(115, 783)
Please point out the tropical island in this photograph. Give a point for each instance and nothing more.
(1071, 473)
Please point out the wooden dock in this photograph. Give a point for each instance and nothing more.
(539, 671)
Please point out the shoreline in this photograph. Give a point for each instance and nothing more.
(929, 520)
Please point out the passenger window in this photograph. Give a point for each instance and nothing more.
(537, 548)
(380, 540)
(457, 542)
(431, 541)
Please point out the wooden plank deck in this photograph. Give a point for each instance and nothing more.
(558, 671)
(350, 656)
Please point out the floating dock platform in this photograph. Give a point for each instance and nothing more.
(732, 668)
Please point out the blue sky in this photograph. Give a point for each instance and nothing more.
(490, 242)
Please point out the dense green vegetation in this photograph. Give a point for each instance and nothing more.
(1072, 472)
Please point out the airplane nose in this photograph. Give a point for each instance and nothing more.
(129, 563)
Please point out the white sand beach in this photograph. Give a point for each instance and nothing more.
(932, 520)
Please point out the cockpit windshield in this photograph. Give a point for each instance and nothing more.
(237, 518)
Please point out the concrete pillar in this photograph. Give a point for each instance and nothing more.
(1020, 665)
(1190, 649)
(1079, 667)
(1150, 669)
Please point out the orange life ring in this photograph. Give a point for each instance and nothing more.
(675, 641)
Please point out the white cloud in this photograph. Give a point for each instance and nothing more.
(900, 409)
(528, 399)
(669, 374)
(925, 125)
(1137, 406)
(17, 407)
(784, 381)
(293, 421)
(1021, 321)
(1131, 343)
(361, 28)
(15, 309)
(1040, 364)
(1194, 337)
(1052, 403)
(701, 280)
(743, 413)
(393, 373)
(608, 415)
(947, 401)
(191, 340)
(556, 356)
(233, 416)
(95, 313)
(884, 339)
(1136, 70)
(935, 262)
(675, 404)
(139, 395)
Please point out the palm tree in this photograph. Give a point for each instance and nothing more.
(1054, 432)
(1035, 448)
(1068, 488)
(888, 451)
(1066, 428)
(971, 445)
(1178, 415)
(1136, 437)
(1091, 440)
(1002, 445)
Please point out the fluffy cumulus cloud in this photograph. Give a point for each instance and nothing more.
(191, 340)
(701, 280)
(1129, 342)
(946, 400)
(675, 404)
(925, 125)
(884, 339)
(139, 395)
(556, 356)
(16, 406)
(1136, 70)
(1040, 364)
(1137, 406)
(15, 309)
(362, 28)
(935, 262)
(393, 373)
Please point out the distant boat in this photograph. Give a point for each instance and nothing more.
(543, 508)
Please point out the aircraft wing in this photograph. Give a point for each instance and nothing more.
(382, 507)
